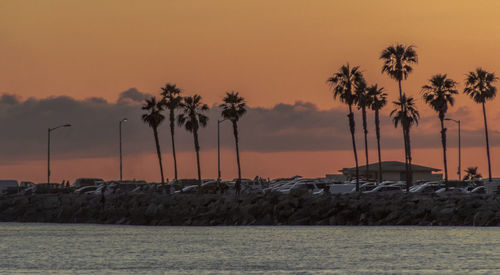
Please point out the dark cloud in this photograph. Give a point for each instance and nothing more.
(285, 127)
(132, 95)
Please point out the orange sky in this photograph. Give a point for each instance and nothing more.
(271, 51)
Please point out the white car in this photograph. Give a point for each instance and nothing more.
(450, 190)
(385, 189)
(190, 189)
(310, 185)
(106, 189)
(343, 188)
(85, 189)
(367, 186)
(386, 182)
(281, 186)
(479, 190)
(429, 187)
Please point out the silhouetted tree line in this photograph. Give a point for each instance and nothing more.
(349, 87)
(189, 112)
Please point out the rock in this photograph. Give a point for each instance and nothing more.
(50, 202)
(259, 209)
(151, 210)
(482, 218)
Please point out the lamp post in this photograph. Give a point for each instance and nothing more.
(218, 149)
(48, 147)
(459, 148)
(120, 134)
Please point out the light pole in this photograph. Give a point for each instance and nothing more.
(120, 134)
(48, 148)
(459, 148)
(218, 149)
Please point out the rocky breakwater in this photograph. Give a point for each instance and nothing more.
(255, 209)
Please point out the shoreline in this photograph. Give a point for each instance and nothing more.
(273, 209)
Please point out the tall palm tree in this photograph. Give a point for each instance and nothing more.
(398, 61)
(233, 109)
(479, 86)
(344, 83)
(192, 118)
(439, 95)
(363, 102)
(377, 99)
(406, 114)
(154, 118)
(471, 173)
(172, 101)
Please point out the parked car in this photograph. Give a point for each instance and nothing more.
(367, 186)
(399, 184)
(479, 190)
(387, 182)
(386, 189)
(429, 187)
(106, 189)
(342, 188)
(8, 187)
(455, 190)
(81, 182)
(85, 189)
(281, 185)
(211, 187)
(26, 184)
(190, 189)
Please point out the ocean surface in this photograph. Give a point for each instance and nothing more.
(115, 249)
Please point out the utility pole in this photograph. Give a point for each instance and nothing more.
(48, 147)
(120, 135)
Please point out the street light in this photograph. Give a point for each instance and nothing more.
(48, 148)
(218, 148)
(120, 134)
(459, 148)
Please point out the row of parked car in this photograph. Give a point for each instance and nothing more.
(315, 186)
(322, 185)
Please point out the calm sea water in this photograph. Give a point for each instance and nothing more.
(112, 249)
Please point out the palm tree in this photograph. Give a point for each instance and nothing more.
(439, 95)
(479, 86)
(377, 99)
(471, 173)
(406, 114)
(172, 101)
(192, 118)
(363, 101)
(154, 118)
(233, 109)
(344, 83)
(398, 61)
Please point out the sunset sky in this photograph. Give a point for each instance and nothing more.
(91, 63)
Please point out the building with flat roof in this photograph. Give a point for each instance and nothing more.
(394, 170)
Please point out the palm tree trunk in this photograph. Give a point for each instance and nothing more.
(409, 180)
(365, 130)
(236, 141)
(197, 149)
(377, 131)
(157, 142)
(400, 89)
(172, 130)
(443, 142)
(487, 143)
(405, 137)
(352, 128)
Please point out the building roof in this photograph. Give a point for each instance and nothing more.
(390, 166)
